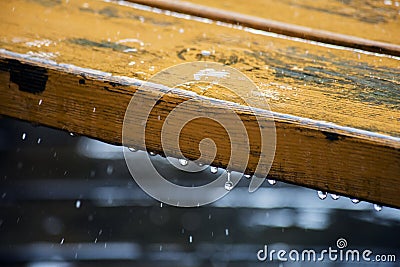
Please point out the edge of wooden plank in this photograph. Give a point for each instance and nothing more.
(273, 26)
(309, 153)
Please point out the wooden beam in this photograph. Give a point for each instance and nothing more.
(369, 19)
(74, 54)
(345, 87)
(315, 154)
(278, 27)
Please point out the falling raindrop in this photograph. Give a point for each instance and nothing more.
(377, 207)
(160, 247)
(183, 162)
(110, 169)
(152, 153)
(132, 149)
(355, 200)
(335, 197)
(94, 109)
(78, 204)
(271, 181)
(322, 195)
(23, 136)
(161, 204)
(226, 231)
(229, 184)
(213, 169)
(40, 102)
(62, 241)
(39, 140)
(190, 239)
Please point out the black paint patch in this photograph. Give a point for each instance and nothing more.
(331, 136)
(29, 78)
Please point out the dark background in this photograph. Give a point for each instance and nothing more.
(70, 201)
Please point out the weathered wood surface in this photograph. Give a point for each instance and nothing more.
(274, 26)
(340, 86)
(370, 19)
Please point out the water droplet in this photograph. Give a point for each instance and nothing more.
(213, 169)
(161, 204)
(322, 195)
(229, 185)
(183, 162)
(205, 53)
(94, 109)
(39, 140)
(132, 149)
(271, 181)
(62, 241)
(190, 239)
(78, 204)
(23, 136)
(200, 164)
(226, 231)
(40, 102)
(377, 207)
(110, 169)
(248, 176)
(71, 134)
(335, 197)
(160, 247)
(152, 153)
(355, 200)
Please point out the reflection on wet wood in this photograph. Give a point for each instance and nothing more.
(345, 87)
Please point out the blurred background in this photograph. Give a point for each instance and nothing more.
(67, 200)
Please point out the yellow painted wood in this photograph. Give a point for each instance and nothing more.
(370, 19)
(308, 153)
(352, 89)
(298, 78)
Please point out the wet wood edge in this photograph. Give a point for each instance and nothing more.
(314, 154)
(273, 26)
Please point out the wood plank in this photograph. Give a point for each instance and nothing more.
(308, 153)
(307, 81)
(298, 78)
(375, 20)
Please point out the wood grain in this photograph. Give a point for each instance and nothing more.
(79, 50)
